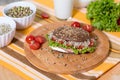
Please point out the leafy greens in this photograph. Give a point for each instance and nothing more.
(104, 14)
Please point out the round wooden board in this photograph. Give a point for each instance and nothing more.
(57, 62)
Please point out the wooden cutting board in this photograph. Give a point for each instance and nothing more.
(57, 62)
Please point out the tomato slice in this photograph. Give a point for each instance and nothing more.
(53, 39)
(91, 42)
(61, 42)
(30, 38)
(68, 45)
(88, 28)
(80, 47)
(35, 45)
(75, 24)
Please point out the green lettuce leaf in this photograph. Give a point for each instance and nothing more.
(104, 14)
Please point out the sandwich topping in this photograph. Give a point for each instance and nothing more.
(71, 36)
(72, 39)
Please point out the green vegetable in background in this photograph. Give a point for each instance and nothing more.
(104, 15)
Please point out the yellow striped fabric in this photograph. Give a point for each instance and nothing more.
(30, 73)
(13, 69)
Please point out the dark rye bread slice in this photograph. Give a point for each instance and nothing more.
(71, 34)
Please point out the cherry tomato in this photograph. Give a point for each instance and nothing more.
(88, 28)
(35, 45)
(39, 39)
(91, 43)
(30, 38)
(44, 15)
(75, 24)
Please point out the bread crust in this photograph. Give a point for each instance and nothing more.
(71, 34)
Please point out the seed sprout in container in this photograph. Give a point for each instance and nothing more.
(22, 12)
(7, 31)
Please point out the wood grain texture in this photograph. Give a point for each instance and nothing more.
(113, 74)
(6, 74)
(70, 63)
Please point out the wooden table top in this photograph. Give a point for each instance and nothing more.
(15, 66)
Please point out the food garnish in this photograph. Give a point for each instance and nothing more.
(44, 15)
(30, 39)
(39, 39)
(35, 45)
(75, 24)
(88, 28)
(35, 42)
(104, 15)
